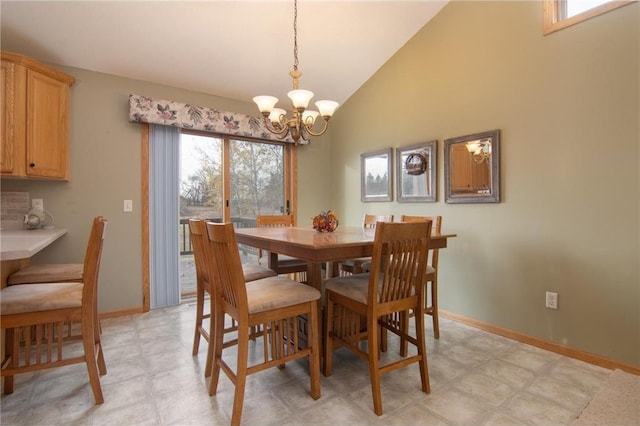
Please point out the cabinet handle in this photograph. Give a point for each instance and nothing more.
(32, 165)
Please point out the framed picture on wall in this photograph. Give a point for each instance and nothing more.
(375, 171)
(472, 168)
(416, 173)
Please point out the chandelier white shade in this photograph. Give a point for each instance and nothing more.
(301, 124)
(480, 150)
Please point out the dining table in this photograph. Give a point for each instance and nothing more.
(346, 242)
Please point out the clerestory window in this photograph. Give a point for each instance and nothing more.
(559, 14)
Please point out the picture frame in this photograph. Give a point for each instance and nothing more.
(472, 168)
(376, 176)
(416, 173)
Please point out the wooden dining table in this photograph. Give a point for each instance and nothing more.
(318, 247)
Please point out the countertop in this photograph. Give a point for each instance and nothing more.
(23, 244)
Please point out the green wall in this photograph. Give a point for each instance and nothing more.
(567, 106)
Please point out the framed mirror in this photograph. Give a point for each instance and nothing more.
(472, 168)
(416, 173)
(375, 171)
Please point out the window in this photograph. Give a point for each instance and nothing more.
(230, 178)
(559, 14)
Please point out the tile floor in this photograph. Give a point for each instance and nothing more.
(476, 379)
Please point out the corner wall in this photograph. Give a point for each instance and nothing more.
(567, 106)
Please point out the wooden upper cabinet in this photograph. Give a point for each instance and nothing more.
(35, 114)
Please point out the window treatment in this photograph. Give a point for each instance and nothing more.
(143, 109)
(164, 177)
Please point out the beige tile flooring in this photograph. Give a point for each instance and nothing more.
(476, 379)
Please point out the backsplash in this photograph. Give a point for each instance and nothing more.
(13, 206)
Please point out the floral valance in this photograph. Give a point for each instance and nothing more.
(143, 109)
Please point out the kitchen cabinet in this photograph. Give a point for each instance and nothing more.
(467, 175)
(35, 117)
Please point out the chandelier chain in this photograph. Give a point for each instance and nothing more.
(295, 35)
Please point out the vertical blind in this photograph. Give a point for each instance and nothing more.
(164, 155)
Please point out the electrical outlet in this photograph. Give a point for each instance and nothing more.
(552, 300)
(128, 206)
(37, 204)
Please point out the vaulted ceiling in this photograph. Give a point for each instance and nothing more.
(234, 49)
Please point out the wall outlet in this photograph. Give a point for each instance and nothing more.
(552, 300)
(37, 204)
(128, 206)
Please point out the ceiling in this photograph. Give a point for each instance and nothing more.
(235, 49)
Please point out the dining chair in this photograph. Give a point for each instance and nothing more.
(48, 272)
(251, 272)
(271, 304)
(286, 264)
(432, 271)
(37, 321)
(394, 286)
(354, 266)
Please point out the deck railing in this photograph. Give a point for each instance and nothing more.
(238, 222)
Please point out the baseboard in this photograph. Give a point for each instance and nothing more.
(543, 344)
(121, 313)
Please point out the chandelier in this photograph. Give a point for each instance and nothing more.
(301, 123)
(480, 150)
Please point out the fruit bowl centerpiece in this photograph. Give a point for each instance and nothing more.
(325, 221)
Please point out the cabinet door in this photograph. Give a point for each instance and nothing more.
(461, 173)
(8, 154)
(47, 126)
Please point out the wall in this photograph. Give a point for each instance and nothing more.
(105, 169)
(567, 106)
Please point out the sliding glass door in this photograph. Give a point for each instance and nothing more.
(228, 180)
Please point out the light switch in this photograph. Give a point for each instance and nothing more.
(128, 206)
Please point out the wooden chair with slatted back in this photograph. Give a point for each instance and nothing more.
(48, 273)
(201, 255)
(37, 320)
(395, 284)
(354, 266)
(285, 264)
(270, 304)
(431, 308)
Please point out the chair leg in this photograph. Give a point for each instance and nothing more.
(434, 307)
(9, 349)
(422, 352)
(212, 339)
(241, 374)
(404, 326)
(374, 371)
(314, 357)
(216, 341)
(199, 315)
(89, 345)
(328, 340)
(97, 332)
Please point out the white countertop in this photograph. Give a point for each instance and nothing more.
(23, 244)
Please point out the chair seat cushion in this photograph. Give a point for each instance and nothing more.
(19, 299)
(284, 260)
(256, 272)
(355, 287)
(356, 262)
(366, 267)
(48, 273)
(278, 292)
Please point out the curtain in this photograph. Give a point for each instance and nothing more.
(143, 109)
(164, 177)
